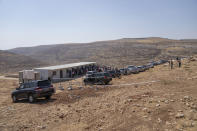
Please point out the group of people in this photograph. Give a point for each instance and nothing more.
(171, 62)
(80, 71)
(106, 69)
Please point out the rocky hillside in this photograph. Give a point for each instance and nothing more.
(11, 62)
(118, 53)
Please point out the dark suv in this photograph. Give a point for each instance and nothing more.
(33, 90)
(114, 73)
(98, 78)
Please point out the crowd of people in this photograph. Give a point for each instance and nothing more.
(80, 70)
(74, 72)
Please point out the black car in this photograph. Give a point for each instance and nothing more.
(112, 73)
(98, 78)
(33, 90)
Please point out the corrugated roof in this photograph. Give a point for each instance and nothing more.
(65, 66)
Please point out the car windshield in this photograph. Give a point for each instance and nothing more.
(44, 83)
(106, 74)
(131, 67)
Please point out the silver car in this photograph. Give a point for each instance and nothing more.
(133, 69)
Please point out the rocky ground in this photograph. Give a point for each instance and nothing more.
(159, 99)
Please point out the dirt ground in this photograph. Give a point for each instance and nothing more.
(159, 99)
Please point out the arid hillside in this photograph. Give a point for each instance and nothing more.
(11, 62)
(159, 99)
(118, 53)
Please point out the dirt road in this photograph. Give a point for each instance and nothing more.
(168, 104)
(7, 78)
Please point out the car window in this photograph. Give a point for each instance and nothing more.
(100, 74)
(26, 85)
(106, 74)
(97, 75)
(32, 84)
(44, 83)
(22, 87)
(93, 75)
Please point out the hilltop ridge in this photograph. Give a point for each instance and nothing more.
(11, 62)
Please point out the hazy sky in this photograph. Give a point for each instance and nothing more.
(35, 22)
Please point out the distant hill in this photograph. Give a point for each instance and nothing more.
(189, 40)
(117, 53)
(147, 40)
(11, 62)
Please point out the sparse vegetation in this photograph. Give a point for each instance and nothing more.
(169, 103)
(115, 53)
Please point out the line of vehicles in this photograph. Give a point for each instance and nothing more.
(44, 88)
(93, 77)
(131, 69)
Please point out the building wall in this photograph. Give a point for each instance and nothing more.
(57, 75)
(44, 74)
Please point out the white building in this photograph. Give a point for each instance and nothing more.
(64, 71)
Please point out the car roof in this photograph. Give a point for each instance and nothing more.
(35, 81)
(131, 66)
(101, 72)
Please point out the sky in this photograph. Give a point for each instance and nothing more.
(25, 23)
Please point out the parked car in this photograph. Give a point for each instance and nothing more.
(90, 73)
(150, 65)
(98, 78)
(133, 69)
(114, 73)
(141, 68)
(162, 62)
(33, 90)
(154, 63)
(124, 71)
(145, 67)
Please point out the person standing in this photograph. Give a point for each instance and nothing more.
(171, 64)
(179, 61)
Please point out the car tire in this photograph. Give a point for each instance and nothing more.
(31, 99)
(14, 99)
(48, 97)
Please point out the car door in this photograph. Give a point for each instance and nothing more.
(100, 78)
(92, 78)
(28, 89)
(21, 91)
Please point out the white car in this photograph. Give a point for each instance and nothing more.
(133, 69)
